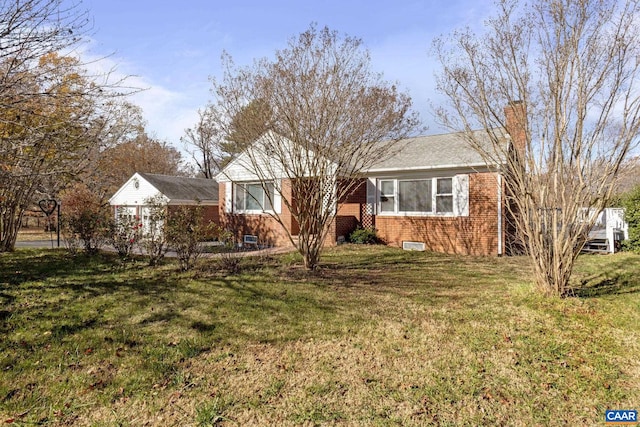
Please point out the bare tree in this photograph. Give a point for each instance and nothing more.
(329, 117)
(50, 105)
(141, 153)
(211, 148)
(203, 143)
(31, 29)
(247, 126)
(629, 176)
(573, 67)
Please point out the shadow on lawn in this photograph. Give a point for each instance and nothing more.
(26, 265)
(72, 295)
(617, 278)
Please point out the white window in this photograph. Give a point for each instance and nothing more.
(387, 196)
(251, 197)
(444, 195)
(416, 196)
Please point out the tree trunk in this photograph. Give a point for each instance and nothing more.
(9, 230)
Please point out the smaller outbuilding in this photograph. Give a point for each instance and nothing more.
(132, 198)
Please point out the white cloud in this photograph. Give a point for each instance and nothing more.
(167, 111)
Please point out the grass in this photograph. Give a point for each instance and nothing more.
(33, 234)
(377, 336)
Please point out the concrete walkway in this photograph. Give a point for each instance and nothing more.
(39, 244)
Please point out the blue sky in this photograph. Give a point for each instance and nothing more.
(172, 48)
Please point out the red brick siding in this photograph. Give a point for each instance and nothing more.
(476, 234)
(209, 215)
(212, 214)
(349, 214)
(516, 124)
(268, 230)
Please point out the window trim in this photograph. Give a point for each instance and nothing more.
(380, 195)
(264, 201)
(434, 196)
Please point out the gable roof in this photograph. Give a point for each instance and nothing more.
(182, 188)
(451, 150)
(269, 154)
(422, 153)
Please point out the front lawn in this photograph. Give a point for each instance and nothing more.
(377, 336)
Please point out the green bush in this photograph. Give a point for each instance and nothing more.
(185, 231)
(364, 236)
(631, 204)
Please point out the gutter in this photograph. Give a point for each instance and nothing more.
(426, 168)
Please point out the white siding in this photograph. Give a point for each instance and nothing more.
(129, 195)
(277, 198)
(461, 195)
(258, 163)
(228, 197)
(372, 196)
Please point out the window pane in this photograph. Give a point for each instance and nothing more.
(444, 204)
(255, 197)
(415, 196)
(444, 186)
(386, 188)
(387, 204)
(387, 198)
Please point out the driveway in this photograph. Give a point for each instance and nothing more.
(39, 244)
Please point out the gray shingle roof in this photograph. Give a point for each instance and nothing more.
(181, 188)
(434, 151)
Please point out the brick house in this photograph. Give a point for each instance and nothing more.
(435, 193)
(131, 198)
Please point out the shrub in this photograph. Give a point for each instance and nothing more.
(364, 236)
(154, 239)
(229, 259)
(185, 233)
(85, 219)
(124, 233)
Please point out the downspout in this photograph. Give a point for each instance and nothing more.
(500, 250)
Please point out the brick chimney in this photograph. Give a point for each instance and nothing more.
(516, 124)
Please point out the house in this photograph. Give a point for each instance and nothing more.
(132, 198)
(435, 193)
(608, 232)
(438, 194)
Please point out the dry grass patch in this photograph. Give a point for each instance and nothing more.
(34, 234)
(376, 336)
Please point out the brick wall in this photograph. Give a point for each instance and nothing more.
(516, 124)
(349, 214)
(268, 230)
(476, 234)
(209, 214)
